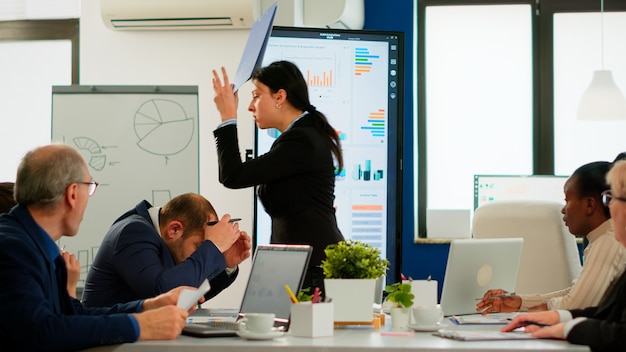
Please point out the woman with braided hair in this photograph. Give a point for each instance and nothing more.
(296, 177)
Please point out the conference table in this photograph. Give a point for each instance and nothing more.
(349, 339)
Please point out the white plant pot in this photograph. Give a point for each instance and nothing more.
(400, 317)
(353, 299)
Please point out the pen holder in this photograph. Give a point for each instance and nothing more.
(311, 319)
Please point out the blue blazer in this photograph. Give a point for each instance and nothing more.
(37, 312)
(134, 263)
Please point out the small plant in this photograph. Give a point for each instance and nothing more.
(305, 295)
(400, 295)
(352, 259)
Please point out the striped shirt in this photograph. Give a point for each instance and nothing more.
(603, 263)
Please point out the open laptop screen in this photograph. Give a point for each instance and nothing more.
(274, 267)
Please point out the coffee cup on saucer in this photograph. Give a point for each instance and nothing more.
(427, 315)
(257, 323)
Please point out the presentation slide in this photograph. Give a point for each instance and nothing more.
(353, 79)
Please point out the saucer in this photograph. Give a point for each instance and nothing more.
(259, 336)
(427, 328)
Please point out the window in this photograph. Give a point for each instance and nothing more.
(578, 35)
(35, 56)
(478, 98)
(498, 87)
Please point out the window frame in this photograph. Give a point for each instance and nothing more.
(543, 85)
(24, 30)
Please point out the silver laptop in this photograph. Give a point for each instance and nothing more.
(475, 266)
(273, 267)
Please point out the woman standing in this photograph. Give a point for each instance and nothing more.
(296, 177)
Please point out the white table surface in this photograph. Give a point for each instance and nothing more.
(348, 339)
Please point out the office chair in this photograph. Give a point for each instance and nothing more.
(550, 259)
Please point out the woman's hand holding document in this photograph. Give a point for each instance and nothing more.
(188, 298)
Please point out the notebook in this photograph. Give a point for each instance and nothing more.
(475, 266)
(273, 267)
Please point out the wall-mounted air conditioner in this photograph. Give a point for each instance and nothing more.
(179, 14)
(229, 14)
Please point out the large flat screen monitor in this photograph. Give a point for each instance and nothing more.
(355, 78)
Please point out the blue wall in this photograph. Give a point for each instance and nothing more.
(418, 260)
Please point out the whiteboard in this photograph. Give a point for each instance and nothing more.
(139, 142)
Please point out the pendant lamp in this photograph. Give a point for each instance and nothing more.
(603, 100)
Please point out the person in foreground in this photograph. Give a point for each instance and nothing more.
(150, 250)
(52, 189)
(7, 201)
(296, 177)
(602, 328)
(604, 257)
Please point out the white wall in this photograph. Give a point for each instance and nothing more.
(110, 57)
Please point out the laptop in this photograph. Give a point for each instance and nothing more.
(273, 267)
(475, 266)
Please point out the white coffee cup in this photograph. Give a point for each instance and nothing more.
(427, 315)
(258, 323)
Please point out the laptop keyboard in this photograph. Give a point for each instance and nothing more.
(221, 325)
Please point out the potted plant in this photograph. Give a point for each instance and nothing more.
(352, 271)
(401, 299)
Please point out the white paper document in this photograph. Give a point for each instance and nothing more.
(495, 318)
(472, 335)
(188, 298)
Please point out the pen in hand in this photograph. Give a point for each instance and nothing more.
(211, 223)
(508, 294)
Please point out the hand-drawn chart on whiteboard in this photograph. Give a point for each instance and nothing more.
(139, 143)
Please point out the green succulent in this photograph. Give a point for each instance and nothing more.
(351, 259)
(400, 294)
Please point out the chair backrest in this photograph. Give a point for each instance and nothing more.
(550, 259)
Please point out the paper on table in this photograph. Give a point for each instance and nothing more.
(472, 335)
(188, 298)
(255, 47)
(495, 318)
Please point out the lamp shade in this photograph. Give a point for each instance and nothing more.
(602, 100)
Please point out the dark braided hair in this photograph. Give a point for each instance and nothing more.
(286, 75)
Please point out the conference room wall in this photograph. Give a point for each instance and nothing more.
(110, 57)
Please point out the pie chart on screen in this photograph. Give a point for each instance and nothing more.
(162, 127)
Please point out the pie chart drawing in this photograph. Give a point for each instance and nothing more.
(162, 127)
(96, 159)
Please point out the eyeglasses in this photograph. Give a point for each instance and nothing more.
(92, 187)
(607, 196)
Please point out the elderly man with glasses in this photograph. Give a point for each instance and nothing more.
(52, 190)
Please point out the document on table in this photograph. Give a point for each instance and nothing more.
(188, 298)
(488, 319)
(465, 335)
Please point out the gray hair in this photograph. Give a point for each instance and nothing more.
(44, 174)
